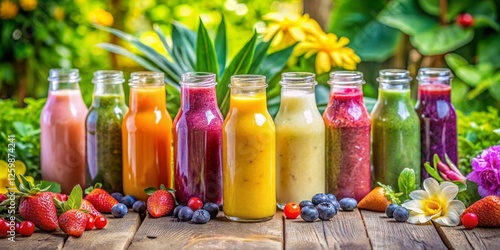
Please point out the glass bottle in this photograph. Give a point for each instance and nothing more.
(300, 141)
(347, 124)
(249, 152)
(147, 136)
(62, 126)
(438, 119)
(104, 131)
(395, 129)
(198, 141)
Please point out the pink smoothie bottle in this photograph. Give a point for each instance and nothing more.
(347, 125)
(62, 125)
(198, 141)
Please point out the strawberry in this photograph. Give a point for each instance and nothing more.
(36, 205)
(86, 205)
(100, 199)
(160, 203)
(72, 219)
(376, 200)
(487, 210)
(3, 197)
(60, 197)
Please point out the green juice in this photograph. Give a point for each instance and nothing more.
(395, 136)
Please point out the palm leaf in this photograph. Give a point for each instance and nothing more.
(184, 41)
(221, 46)
(206, 59)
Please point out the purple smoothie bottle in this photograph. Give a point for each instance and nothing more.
(198, 141)
(438, 119)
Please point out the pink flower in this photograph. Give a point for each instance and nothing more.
(486, 171)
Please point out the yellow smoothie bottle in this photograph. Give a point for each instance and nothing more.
(300, 141)
(249, 152)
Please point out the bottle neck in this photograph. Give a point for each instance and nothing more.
(198, 98)
(57, 85)
(148, 98)
(432, 92)
(106, 94)
(343, 93)
(391, 93)
(297, 99)
(251, 99)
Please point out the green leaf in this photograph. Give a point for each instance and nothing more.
(454, 7)
(461, 186)
(406, 183)
(52, 186)
(184, 41)
(260, 53)
(150, 190)
(75, 197)
(469, 74)
(488, 49)
(495, 86)
(441, 39)
(206, 59)
(406, 16)
(433, 171)
(482, 86)
(162, 187)
(485, 14)
(163, 39)
(20, 128)
(455, 61)
(221, 46)
(275, 62)
(390, 194)
(239, 65)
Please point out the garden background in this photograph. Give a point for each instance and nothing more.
(409, 34)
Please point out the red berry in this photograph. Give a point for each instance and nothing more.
(195, 203)
(470, 220)
(18, 224)
(292, 210)
(27, 228)
(100, 222)
(90, 222)
(465, 20)
(4, 228)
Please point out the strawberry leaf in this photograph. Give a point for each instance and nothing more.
(50, 186)
(98, 185)
(150, 190)
(406, 183)
(75, 197)
(162, 187)
(89, 189)
(390, 194)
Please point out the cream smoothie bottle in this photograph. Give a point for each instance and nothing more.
(62, 126)
(300, 141)
(249, 151)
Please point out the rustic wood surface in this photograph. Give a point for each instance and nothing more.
(347, 230)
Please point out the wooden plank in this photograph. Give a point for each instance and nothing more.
(477, 238)
(117, 234)
(39, 240)
(219, 233)
(385, 233)
(345, 230)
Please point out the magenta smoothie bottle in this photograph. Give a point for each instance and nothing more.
(347, 124)
(198, 141)
(438, 119)
(62, 125)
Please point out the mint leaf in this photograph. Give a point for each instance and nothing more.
(75, 197)
(406, 183)
(150, 190)
(50, 186)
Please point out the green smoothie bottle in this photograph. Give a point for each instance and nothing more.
(395, 129)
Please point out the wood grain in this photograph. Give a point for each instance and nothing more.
(39, 240)
(477, 238)
(220, 233)
(117, 234)
(385, 233)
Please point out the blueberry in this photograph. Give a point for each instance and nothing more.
(128, 200)
(326, 210)
(201, 216)
(318, 198)
(331, 198)
(119, 210)
(401, 214)
(176, 211)
(118, 196)
(305, 203)
(185, 214)
(336, 205)
(309, 213)
(390, 210)
(348, 204)
(139, 207)
(212, 209)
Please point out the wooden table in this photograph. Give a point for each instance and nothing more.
(347, 230)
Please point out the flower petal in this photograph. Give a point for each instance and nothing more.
(451, 219)
(322, 62)
(4, 166)
(275, 17)
(448, 191)
(419, 195)
(456, 205)
(432, 187)
(297, 33)
(413, 219)
(414, 205)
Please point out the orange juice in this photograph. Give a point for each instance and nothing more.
(147, 138)
(249, 151)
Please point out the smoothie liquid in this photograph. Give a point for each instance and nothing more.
(62, 126)
(300, 142)
(347, 124)
(198, 141)
(249, 151)
(146, 133)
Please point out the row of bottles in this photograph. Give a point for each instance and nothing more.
(256, 161)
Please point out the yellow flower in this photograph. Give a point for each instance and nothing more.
(59, 13)
(436, 202)
(330, 52)
(28, 5)
(20, 169)
(289, 29)
(8, 10)
(101, 17)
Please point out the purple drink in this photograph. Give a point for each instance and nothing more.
(198, 141)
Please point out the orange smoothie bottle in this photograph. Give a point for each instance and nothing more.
(249, 152)
(147, 136)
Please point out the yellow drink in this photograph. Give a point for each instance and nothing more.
(249, 149)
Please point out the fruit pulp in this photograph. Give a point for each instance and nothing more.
(300, 148)
(395, 136)
(347, 124)
(438, 124)
(62, 128)
(147, 142)
(198, 146)
(249, 165)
